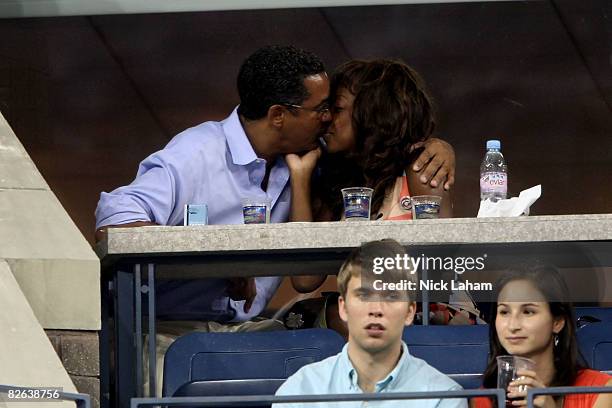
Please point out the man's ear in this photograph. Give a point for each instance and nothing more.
(342, 309)
(411, 312)
(276, 116)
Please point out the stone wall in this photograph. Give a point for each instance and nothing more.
(49, 279)
(79, 353)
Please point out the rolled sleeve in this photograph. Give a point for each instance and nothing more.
(151, 197)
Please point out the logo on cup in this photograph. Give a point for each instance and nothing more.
(256, 211)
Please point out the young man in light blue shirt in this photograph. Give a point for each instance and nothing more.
(375, 359)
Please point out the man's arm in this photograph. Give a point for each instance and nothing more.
(453, 402)
(291, 386)
(101, 232)
(437, 163)
(166, 181)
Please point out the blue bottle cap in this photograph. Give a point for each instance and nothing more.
(493, 144)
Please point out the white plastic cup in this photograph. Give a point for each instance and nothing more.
(425, 207)
(357, 203)
(256, 210)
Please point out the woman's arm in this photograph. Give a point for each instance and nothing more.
(101, 232)
(300, 169)
(604, 400)
(300, 172)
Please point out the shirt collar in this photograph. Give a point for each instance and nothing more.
(239, 145)
(391, 378)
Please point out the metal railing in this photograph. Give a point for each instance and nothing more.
(533, 392)
(263, 400)
(16, 393)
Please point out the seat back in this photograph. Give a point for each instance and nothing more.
(595, 343)
(458, 351)
(586, 315)
(245, 356)
(467, 381)
(230, 387)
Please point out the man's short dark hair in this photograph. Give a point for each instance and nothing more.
(275, 75)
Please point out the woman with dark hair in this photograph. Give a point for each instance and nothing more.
(534, 318)
(382, 114)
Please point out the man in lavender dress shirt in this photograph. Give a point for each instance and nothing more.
(284, 107)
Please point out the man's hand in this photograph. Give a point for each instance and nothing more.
(438, 161)
(242, 289)
(303, 165)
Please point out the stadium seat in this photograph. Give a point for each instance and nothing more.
(586, 315)
(467, 381)
(458, 351)
(210, 357)
(229, 387)
(595, 343)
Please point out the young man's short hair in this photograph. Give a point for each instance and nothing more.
(367, 261)
(275, 75)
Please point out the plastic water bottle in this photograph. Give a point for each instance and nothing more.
(493, 173)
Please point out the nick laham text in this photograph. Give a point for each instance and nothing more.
(405, 284)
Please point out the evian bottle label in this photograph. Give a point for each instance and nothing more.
(494, 182)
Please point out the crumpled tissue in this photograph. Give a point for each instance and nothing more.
(511, 207)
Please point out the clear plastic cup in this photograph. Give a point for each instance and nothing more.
(256, 210)
(507, 368)
(425, 207)
(357, 203)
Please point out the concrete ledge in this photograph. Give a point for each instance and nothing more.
(160, 240)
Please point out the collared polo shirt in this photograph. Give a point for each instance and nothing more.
(336, 375)
(214, 164)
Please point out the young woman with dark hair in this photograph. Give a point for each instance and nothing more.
(534, 318)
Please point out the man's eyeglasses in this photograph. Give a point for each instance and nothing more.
(320, 110)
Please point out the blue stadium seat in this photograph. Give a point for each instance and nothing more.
(458, 351)
(584, 315)
(206, 357)
(595, 343)
(230, 387)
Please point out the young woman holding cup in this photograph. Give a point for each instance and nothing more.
(534, 319)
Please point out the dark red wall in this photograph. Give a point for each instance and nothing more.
(89, 97)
